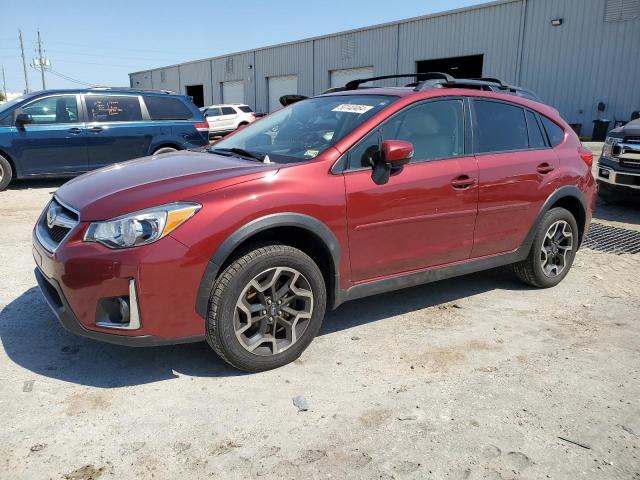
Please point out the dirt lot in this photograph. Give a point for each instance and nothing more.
(469, 378)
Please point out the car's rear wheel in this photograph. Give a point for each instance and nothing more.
(552, 252)
(266, 307)
(6, 172)
(165, 150)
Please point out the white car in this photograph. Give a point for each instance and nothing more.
(226, 118)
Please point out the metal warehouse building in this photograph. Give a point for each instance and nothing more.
(581, 56)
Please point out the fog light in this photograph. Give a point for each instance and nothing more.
(119, 312)
(604, 173)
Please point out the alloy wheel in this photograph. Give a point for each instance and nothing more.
(554, 252)
(273, 311)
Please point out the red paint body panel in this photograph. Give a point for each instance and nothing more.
(420, 219)
(416, 220)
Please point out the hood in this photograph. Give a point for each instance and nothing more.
(150, 181)
(631, 129)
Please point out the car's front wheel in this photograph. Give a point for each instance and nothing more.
(552, 252)
(266, 307)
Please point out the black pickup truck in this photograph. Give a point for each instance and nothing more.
(619, 166)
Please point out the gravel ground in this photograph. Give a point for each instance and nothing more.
(475, 377)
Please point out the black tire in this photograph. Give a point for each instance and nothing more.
(220, 332)
(165, 150)
(530, 270)
(6, 172)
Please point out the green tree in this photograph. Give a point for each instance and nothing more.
(2, 99)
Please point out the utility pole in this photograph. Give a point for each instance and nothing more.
(41, 60)
(24, 64)
(4, 85)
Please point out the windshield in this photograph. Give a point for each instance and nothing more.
(6, 106)
(305, 129)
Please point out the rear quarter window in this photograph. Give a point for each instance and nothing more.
(554, 131)
(245, 109)
(167, 108)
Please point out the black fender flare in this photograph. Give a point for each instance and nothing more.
(562, 192)
(286, 219)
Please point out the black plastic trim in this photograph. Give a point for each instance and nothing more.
(68, 320)
(288, 219)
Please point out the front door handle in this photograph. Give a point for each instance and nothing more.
(545, 168)
(95, 128)
(463, 181)
(75, 130)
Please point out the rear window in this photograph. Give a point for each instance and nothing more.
(245, 109)
(112, 108)
(554, 131)
(166, 108)
(499, 127)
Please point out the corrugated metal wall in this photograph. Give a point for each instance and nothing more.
(584, 61)
(197, 73)
(295, 59)
(574, 66)
(377, 48)
(492, 31)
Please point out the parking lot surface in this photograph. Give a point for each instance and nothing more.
(474, 377)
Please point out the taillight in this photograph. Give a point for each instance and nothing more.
(202, 126)
(586, 155)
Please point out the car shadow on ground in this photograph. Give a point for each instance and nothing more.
(34, 340)
(624, 212)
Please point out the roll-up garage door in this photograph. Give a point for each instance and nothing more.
(233, 91)
(279, 86)
(340, 77)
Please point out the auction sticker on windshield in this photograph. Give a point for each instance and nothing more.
(350, 108)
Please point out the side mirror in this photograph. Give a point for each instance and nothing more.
(394, 155)
(23, 118)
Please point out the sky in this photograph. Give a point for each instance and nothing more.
(100, 43)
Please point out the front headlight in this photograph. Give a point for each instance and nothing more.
(141, 228)
(608, 147)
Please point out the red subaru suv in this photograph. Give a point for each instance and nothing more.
(333, 198)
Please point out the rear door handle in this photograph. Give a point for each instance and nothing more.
(95, 129)
(545, 168)
(463, 181)
(75, 130)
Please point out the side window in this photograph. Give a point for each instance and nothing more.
(228, 111)
(499, 127)
(554, 131)
(112, 108)
(365, 154)
(58, 109)
(536, 138)
(166, 108)
(436, 129)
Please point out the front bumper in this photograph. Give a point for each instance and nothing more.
(79, 275)
(614, 176)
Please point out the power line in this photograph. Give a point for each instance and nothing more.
(69, 79)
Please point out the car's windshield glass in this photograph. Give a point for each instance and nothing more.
(6, 106)
(305, 129)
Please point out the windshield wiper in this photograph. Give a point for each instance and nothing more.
(238, 152)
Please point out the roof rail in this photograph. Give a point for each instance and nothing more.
(354, 84)
(462, 82)
(131, 89)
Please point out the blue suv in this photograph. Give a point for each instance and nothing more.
(60, 133)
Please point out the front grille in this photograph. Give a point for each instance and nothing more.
(635, 140)
(57, 233)
(629, 163)
(56, 223)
